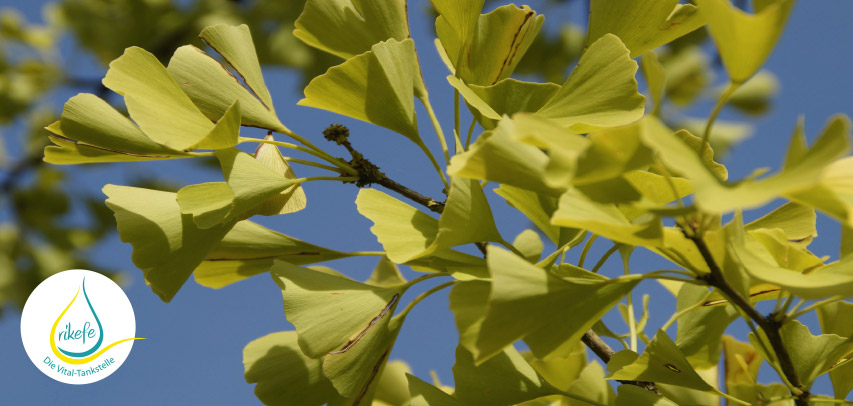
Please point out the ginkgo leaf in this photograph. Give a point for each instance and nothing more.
(225, 133)
(834, 192)
(506, 378)
(741, 364)
(290, 200)
(235, 45)
(507, 97)
(661, 361)
(655, 75)
(837, 318)
(386, 274)
(377, 86)
(90, 130)
(490, 50)
(249, 249)
(592, 385)
(461, 17)
(813, 355)
(424, 394)
(497, 156)
(642, 25)
(167, 245)
(745, 40)
(468, 302)
(578, 211)
(155, 101)
(601, 91)
(528, 243)
(700, 332)
(521, 306)
(538, 208)
(213, 88)
(332, 314)
(285, 376)
(392, 385)
(759, 263)
(248, 184)
(715, 195)
(797, 221)
(687, 396)
(562, 373)
(407, 233)
(350, 27)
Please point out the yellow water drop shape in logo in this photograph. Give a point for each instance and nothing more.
(78, 361)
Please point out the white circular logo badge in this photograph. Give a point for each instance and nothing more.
(78, 327)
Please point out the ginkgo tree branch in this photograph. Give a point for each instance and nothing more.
(767, 324)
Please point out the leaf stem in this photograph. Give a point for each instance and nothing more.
(435, 163)
(794, 314)
(311, 163)
(604, 258)
(585, 251)
(724, 97)
(470, 132)
(456, 125)
(425, 295)
(438, 131)
(319, 154)
(315, 178)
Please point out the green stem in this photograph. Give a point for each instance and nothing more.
(311, 163)
(367, 253)
(511, 248)
(580, 398)
(632, 322)
(456, 126)
(604, 258)
(438, 131)
(434, 163)
(585, 251)
(425, 295)
(338, 178)
(724, 97)
(470, 132)
(319, 154)
(678, 315)
(813, 306)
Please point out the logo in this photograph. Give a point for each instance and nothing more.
(78, 327)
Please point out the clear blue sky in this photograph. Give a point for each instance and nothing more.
(193, 351)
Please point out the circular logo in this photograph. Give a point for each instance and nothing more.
(78, 327)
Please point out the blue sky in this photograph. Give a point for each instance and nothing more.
(193, 350)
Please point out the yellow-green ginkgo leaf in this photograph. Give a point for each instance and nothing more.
(377, 86)
(760, 264)
(492, 49)
(354, 370)
(813, 355)
(642, 25)
(505, 379)
(225, 133)
(167, 245)
(459, 16)
(286, 376)
(213, 89)
(235, 44)
(424, 394)
(90, 130)
(700, 331)
(741, 364)
(386, 274)
(797, 221)
(715, 195)
(834, 192)
(249, 249)
(538, 208)
(522, 303)
(661, 362)
(290, 200)
(392, 386)
(756, 94)
(745, 40)
(332, 314)
(507, 97)
(630, 395)
(248, 184)
(655, 75)
(469, 302)
(528, 243)
(837, 318)
(576, 210)
(601, 91)
(407, 233)
(350, 27)
(155, 101)
(497, 156)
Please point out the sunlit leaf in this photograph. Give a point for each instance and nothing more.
(745, 40)
(167, 245)
(490, 50)
(377, 87)
(507, 97)
(655, 76)
(795, 220)
(331, 313)
(235, 45)
(756, 94)
(601, 91)
(687, 396)
(155, 101)
(290, 200)
(661, 361)
(391, 388)
(538, 208)
(350, 27)
(386, 274)
(741, 363)
(284, 375)
(249, 249)
(642, 25)
(521, 305)
(212, 88)
(424, 394)
(837, 318)
(529, 244)
(578, 211)
(91, 130)
(506, 378)
(813, 355)
(700, 332)
(630, 395)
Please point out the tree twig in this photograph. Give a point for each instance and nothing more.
(768, 324)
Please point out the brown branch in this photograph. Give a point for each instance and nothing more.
(767, 324)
